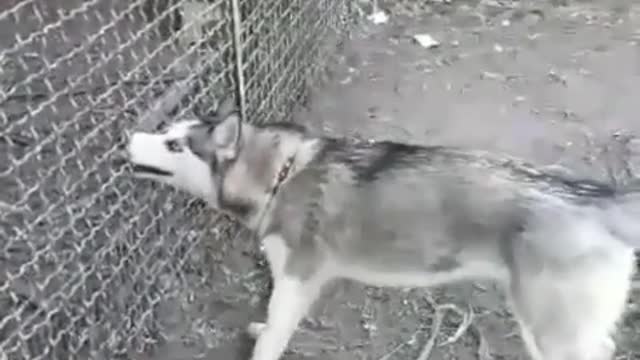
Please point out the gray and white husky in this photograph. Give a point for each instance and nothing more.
(394, 214)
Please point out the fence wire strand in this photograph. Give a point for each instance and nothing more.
(92, 264)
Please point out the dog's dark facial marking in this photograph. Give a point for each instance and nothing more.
(145, 169)
(196, 142)
(162, 127)
(173, 145)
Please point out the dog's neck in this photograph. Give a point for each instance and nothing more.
(282, 158)
(279, 155)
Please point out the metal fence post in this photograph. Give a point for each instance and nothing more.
(237, 48)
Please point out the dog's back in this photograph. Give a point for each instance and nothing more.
(374, 196)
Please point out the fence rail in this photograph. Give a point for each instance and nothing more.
(93, 266)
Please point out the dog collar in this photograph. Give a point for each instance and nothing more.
(283, 174)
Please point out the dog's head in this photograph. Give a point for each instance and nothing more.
(188, 155)
(233, 165)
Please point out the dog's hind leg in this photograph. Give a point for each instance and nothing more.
(570, 312)
(290, 301)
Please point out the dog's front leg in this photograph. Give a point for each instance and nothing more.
(290, 301)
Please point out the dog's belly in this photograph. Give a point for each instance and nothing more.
(474, 270)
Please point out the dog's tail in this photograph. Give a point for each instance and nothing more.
(622, 217)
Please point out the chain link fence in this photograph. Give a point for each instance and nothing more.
(93, 265)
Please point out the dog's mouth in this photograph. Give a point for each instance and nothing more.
(151, 170)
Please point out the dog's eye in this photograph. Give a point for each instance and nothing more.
(162, 127)
(173, 145)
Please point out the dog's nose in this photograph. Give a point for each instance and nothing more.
(122, 156)
(120, 159)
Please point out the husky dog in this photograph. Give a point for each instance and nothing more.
(394, 214)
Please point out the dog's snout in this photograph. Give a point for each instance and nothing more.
(123, 140)
(122, 157)
(132, 138)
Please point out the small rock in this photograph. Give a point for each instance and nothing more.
(345, 81)
(426, 41)
(498, 48)
(491, 75)
(556, 77)
(584, 72)
(506, 22)
(378, 17)
(533, 36)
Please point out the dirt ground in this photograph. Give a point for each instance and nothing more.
(554, 83)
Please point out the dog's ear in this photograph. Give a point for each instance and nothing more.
(226, 107)
(227, 136)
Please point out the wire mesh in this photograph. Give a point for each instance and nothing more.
(93, 265)
(280, 40)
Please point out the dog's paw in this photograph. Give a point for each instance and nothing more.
(255, 329)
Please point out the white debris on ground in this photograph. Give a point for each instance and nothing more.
(426, 41)
(378, 17)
